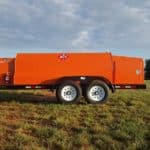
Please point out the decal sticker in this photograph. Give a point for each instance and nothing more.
(138, 71)
(63, 56)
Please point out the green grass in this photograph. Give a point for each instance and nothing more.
(34, 120)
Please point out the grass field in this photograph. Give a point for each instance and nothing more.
(34, 120)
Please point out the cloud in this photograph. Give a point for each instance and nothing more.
(68, 24)
(81, 40)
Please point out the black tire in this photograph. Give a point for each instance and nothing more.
(104, 92)
(76, 87)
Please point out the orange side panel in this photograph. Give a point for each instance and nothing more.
(128, 70)
(47, 68)
(6, 67)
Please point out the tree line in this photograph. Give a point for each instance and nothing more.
(147, 69)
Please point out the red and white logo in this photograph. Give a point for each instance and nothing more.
(63, 56)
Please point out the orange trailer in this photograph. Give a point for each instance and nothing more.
(72, 75)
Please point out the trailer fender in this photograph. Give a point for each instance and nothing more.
(84, 80)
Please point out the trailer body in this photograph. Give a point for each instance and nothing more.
(48, 68)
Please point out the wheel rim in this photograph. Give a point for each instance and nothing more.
(96, 93)
(69, 93)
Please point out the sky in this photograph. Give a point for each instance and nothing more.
(119, 26)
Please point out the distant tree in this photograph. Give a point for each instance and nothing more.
(147, 69)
